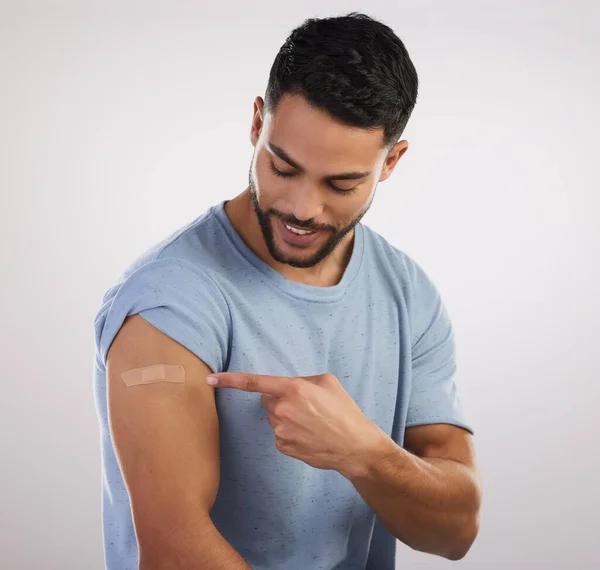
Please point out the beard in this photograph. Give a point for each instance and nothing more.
(264, 221)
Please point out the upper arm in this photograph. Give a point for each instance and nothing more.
(442, 441)
(165, 435)
(436, 442)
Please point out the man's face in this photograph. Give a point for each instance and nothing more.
(320, 147)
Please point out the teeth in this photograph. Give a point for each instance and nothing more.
(299, 232)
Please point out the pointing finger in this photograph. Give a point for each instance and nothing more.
(274, 385)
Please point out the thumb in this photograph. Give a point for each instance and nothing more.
(324, 380)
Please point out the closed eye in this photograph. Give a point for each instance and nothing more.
(277, 172)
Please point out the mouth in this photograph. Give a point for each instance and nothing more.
(294, 238)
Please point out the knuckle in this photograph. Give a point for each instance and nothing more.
(252, 382)
(280, 410)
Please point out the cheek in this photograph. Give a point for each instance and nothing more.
(349, 208)
(267, 186)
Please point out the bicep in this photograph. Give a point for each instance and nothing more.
(165, 435)
(442, 441)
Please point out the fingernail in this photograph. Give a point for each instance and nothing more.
(212, 380)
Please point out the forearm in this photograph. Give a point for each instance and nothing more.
(430, 504)
(210, 550)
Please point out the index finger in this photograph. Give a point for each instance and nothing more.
(274, 385)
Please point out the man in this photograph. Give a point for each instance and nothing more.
(335, 427)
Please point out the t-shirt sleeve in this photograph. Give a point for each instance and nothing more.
(433, 395)
(176, 297)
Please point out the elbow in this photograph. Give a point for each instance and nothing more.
(458, 554)
(469, 529)
(465, 541)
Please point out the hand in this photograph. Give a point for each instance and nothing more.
(313, 417)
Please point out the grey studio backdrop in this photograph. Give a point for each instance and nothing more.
(122, 121)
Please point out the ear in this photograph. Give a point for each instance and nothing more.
(392, 159)
(257, 120)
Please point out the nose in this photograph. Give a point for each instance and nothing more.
(306, 204)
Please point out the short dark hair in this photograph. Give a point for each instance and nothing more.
(353, 67)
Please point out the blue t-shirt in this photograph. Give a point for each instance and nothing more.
(383, 331)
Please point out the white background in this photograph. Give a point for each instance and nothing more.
(122, 121)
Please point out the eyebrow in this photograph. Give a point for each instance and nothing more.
(287, 158)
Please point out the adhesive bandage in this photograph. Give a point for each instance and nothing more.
(154, 373)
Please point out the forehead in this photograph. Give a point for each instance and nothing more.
(314, 137)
